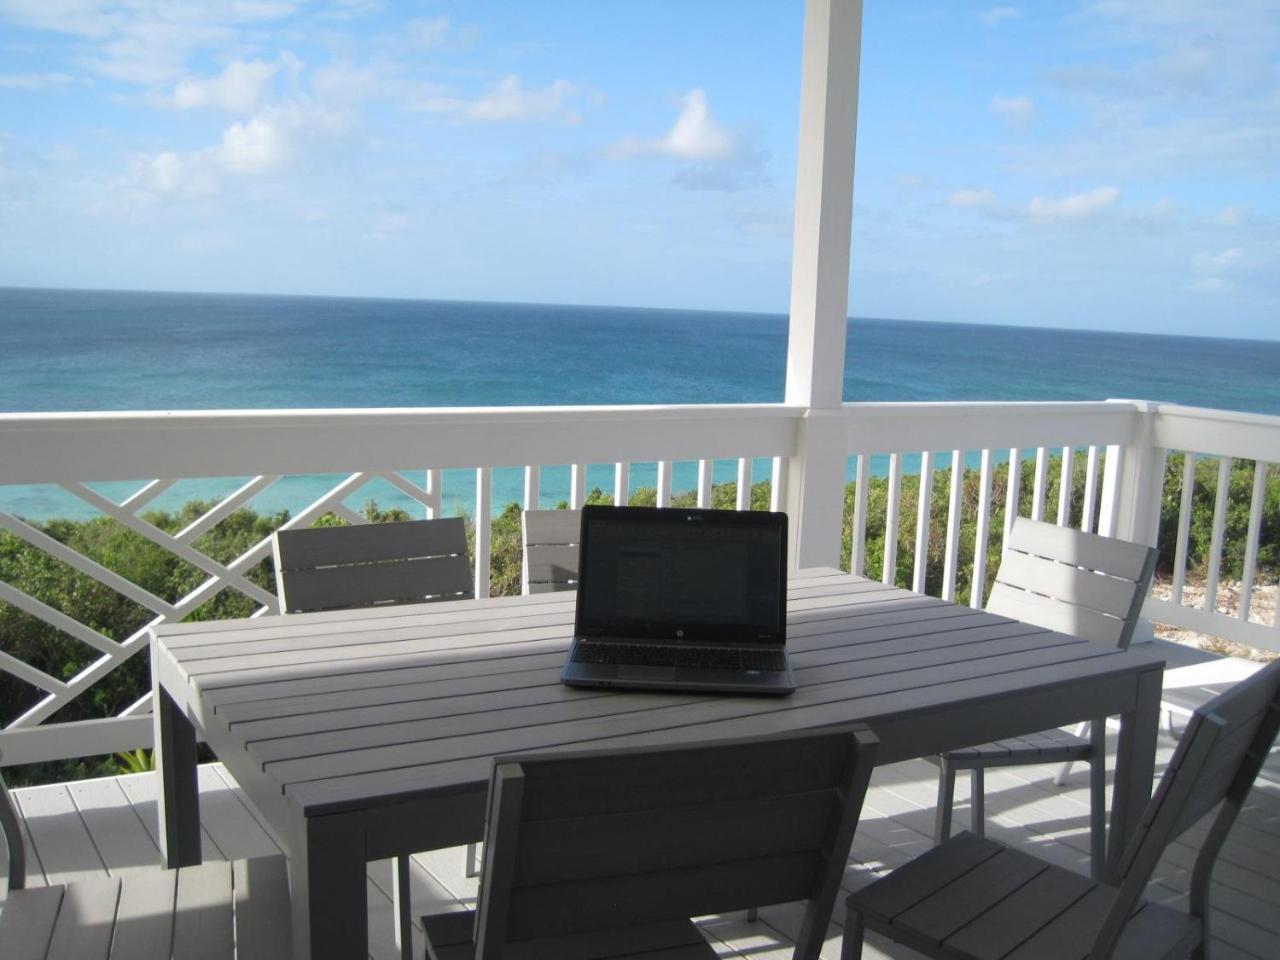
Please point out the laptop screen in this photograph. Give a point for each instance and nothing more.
(700, 576)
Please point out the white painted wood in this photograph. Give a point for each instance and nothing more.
(1262, 636)
(1066, 479)
(858, 549)
(888, 571)
(744, 484)
(1112, 472)
(1041, 479)
(1215, 538)
(577, 486)
(1090, 505)
(483, 521)
(1260, 469)
(664, 483)
(1013, 492)
(923, 510)
(533, 487)
(1184, 526)
(982, 532)
(235, 501)
(621, 483)
(1245, 436)
(435, 493)
(952, 551)
(778, 485)
(705, 468)
(815, 489)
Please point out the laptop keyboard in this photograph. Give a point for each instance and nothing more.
(705, 658)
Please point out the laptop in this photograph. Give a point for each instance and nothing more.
(676, 599)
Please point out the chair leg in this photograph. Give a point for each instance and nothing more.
(1081, 730)
(1098, 800)
(472, 868)
(753, 914)
(851, 942)
(402, 907)
(978, 802)
(946, 797)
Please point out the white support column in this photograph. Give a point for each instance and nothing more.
(1133, 483)
(820, 275)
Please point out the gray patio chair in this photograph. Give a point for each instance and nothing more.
(550, 550)
(1072, 582)
(977, 899)
(227, 909)
(339, 568)
(609, 853)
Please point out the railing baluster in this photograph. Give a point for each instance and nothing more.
(484, 499)
(889, 571)
(1251, 543)
(621, 483)
(953, 527)
(532, 486)
(982, 533)
(1090, 505)
(858, 548)
(1066, 480)
(704, 483)
(1215, 540)
(744, 483)
(577, 486)
(1184, 526)
(1040, 481)
(435, 493)
(1014, 493)
(919, 570)
(778, 485)
(664, 483)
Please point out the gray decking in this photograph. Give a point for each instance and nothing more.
(109, 826)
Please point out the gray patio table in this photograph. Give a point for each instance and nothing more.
(361, 735)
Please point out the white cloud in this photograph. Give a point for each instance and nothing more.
(428, 33)
(1231, 216)
(696, 134)
(971, 198)
(260, 145)
(509, 100)
(33, 81)
(238, 89)
(1015, 111)
(1214, 270)
(997, 15)
(1078, 206)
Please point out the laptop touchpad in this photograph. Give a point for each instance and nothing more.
(646, 673)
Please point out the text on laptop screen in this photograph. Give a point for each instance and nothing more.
(684, 579)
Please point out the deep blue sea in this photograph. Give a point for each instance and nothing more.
(79, 350)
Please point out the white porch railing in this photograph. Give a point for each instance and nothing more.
(1122, 447)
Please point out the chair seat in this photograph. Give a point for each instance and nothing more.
(977, 899)
(1047, 746)
(449, 937)
(225, 909)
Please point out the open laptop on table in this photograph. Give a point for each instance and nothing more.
(681, 599)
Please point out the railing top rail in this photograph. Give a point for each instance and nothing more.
(1250, 436)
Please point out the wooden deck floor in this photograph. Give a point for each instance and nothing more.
(108, 826)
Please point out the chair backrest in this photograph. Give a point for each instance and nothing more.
(602, 840)
(1072, 582)
(12, 838)
(551, 539)
(1221, 751)
(336, 568)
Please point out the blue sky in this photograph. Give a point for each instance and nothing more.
(1109, 165)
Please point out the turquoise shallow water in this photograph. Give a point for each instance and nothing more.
(95, 350)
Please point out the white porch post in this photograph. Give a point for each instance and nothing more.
(1133, 483)
(820, 276)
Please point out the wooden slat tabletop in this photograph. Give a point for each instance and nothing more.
(347, 709)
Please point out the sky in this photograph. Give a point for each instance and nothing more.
(1106, 165)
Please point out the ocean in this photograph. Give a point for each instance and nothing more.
(81, 350)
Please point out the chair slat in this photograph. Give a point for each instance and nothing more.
(1083, 588)
(371, 543)
(1052, 614)
(1119, 558)
(900, 890)
(544, 527)
(550, 563)
(1069, 934)
(337, 588)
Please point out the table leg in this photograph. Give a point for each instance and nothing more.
(327, 890)
(1135, 766)
(179, 800)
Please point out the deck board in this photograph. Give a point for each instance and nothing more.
(108, 826)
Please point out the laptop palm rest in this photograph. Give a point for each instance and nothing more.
(646, 673)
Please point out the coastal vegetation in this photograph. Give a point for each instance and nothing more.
(36, 573)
